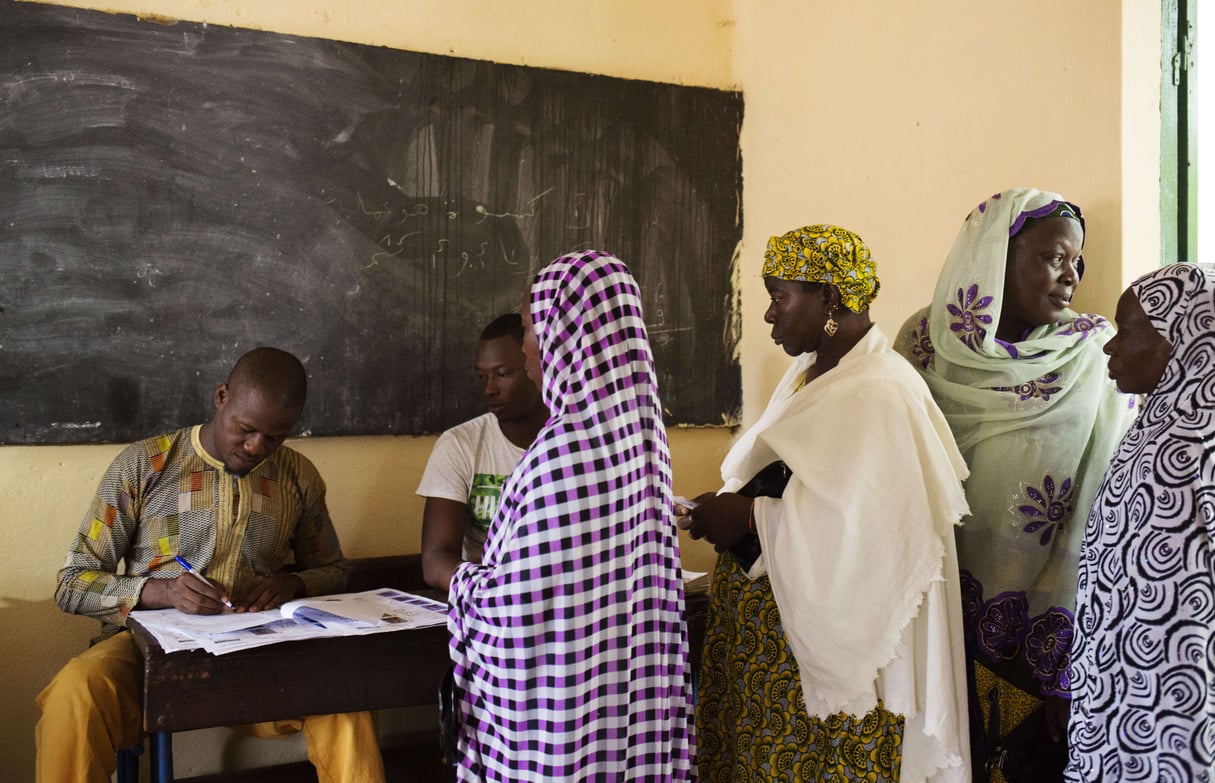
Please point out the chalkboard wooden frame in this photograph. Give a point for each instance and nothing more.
(172, 195)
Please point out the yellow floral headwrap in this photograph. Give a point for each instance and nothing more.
(825, 254)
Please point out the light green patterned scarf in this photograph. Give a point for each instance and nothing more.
(1037, 421)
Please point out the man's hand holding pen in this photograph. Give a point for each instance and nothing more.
(185, 593)
(192, 593)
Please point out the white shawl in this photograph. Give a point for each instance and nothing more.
(860, 549)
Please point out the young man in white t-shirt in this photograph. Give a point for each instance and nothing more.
(471, 461)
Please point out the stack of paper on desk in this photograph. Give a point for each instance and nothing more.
(346, 614)
(695, 581)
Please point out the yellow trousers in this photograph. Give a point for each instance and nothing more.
(92, 708)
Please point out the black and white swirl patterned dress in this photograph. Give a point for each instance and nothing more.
(1143, 671)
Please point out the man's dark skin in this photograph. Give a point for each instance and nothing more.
(255, 411)
(512, 396)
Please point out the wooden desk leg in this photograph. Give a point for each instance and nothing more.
(162, 757)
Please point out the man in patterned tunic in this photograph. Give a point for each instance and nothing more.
(230, 500)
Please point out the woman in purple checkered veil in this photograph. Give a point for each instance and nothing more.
(569, 645)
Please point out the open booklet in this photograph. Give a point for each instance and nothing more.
(344, 614)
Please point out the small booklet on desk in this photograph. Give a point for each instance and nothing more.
(344, 614)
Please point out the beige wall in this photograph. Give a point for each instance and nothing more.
(895, 119)
(892, 118)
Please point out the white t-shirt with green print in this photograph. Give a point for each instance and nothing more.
(469, 464)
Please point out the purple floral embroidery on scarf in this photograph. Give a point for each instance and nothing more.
(1040, 388)
(968, 322)
(1049, 511)
(1004, 632)
(1048, 647)
(1002, 624)
(921, 344)
(1012, 349)
(983, 205)
(1084, 324)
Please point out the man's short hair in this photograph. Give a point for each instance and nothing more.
(273, 372)
(508, 325)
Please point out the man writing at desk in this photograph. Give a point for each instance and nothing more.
(230, 501)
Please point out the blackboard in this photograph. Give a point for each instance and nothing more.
(174, 194)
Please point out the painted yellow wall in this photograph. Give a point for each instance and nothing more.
(895, 119)
(371, 480)
(658, 40)
(892, 118)
(1140, 141)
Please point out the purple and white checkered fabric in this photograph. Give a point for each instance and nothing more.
(570, 649)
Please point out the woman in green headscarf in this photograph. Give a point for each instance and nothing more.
(833, 647)
(1021, 378)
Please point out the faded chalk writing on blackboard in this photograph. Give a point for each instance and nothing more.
(174, 194)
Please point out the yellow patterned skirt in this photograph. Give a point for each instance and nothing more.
(1015, 706)
(751, 718)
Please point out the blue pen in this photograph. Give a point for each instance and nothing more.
(181, 561)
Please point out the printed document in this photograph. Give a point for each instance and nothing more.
(345, 614)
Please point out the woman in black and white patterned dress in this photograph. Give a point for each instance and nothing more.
(1143, 704)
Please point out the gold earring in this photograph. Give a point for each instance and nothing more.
(832, 326)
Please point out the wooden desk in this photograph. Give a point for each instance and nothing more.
(193, 690)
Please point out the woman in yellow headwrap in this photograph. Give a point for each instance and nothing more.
(834, 643)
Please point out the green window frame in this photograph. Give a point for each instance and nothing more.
(1178, 133)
